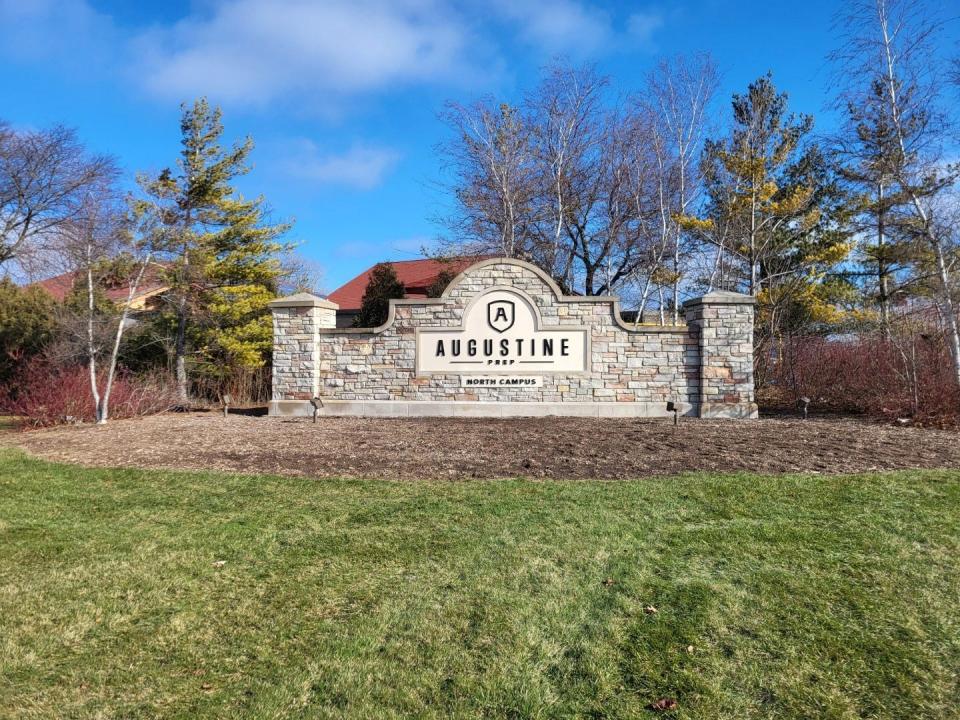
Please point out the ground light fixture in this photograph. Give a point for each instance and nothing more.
(317, 404)
(675, 409)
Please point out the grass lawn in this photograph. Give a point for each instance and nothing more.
(130, 594)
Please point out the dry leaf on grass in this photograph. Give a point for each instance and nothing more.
(663, 704)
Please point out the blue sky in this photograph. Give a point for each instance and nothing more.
(341, 97)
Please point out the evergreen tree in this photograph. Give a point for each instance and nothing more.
(890, 63)
(223, 255)
(781, 208)
(774, 188)
(867, 147)
(383, 286)
(439, 284)
(27, 323)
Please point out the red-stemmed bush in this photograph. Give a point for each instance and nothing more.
(42, 394)
(899, 377)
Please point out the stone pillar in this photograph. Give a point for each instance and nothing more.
(725, 326)
(296, 360)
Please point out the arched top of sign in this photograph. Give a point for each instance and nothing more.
(547, 280)
(502, 308)
(449, 294)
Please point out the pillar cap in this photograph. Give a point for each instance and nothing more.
(302, 300)
(721, 297)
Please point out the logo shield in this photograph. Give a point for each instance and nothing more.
(500, 315)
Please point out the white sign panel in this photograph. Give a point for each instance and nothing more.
(501, 333)
(507, 381)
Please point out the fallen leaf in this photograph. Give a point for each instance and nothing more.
(663, 704)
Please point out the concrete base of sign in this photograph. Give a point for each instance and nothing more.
(730, 411)
(422, 408)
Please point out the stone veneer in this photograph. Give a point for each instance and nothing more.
(706, 365)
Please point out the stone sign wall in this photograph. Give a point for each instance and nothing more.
(503, 340)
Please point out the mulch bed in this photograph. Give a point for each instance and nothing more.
(448, 448)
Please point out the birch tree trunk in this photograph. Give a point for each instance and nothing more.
(91, 337)
(104, 413)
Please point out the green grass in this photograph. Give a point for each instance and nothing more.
(801, 596)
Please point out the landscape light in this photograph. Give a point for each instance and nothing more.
(317, 404)
(674, 408)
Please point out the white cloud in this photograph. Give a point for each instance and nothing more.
(576, 28)
(311, 56)
(57, 31)
(561, 26)
(254, 51)
(361, 166)
(642, 25)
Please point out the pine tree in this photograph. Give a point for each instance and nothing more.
(775, 190)
(782, 211)
(890, 58)
(383, 286)
(867, 148)
(223, 255)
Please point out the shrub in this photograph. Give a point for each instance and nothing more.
(383, 286)
(439, 284)
(42, 395)
(26, 325)
(907, 376)
(247, 386)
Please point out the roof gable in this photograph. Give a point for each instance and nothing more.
(59, 286)
(416, 276)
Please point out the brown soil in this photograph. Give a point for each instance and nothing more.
(489, 448)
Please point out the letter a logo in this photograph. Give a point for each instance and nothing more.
(500, 315)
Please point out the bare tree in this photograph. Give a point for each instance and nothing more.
(567, 132)
(300, 274)
(550, 182)
(889, 45)
(678, 96)
(44, 179)
(491, 159)
(650, 190)
(107, 247)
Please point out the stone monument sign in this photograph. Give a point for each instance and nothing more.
(503, 340)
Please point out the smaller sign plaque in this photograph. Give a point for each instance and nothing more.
(501, 381)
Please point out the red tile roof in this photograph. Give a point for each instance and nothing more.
(416, 275)
(59, 286)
